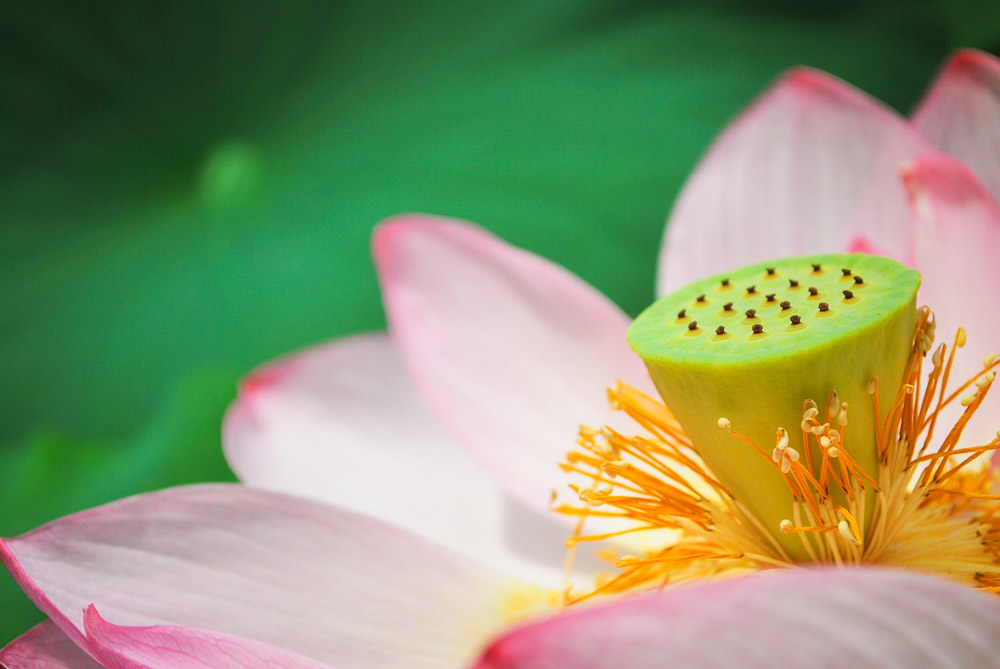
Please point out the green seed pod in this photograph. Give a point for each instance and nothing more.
(795, 329)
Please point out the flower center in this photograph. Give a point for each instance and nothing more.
(827, 322)
(787, 479)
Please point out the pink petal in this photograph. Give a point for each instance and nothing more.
(808, 166)
(811, 618)
(163, 647)
(342, 423)
(328, 584)
(957, 233)
(961, 113)
(861, 243)
(511, 352)
(44, 646)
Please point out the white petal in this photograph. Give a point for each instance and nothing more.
(342, 423)
(961, 113)
(165, 647)
(810, 165)
(325, 583)
(510, 351)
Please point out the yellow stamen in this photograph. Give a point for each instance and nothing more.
(934, 510)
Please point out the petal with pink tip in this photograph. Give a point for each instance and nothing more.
(822, 619)
(165, 647)
(861, 243)
(322, 582)
(957, 235)
(45, 646)
(961, 113)
(808, 166)
(342, 423)
(511, 352)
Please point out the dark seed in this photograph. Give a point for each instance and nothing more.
(693, 325)
(816, 267)
(771, 271)
(728, 306)
(721, 330)
(770, 297)
(682, 313)
(813, 291)
(858, 279)
(758, 328)
(795, 319)
(785, 305)
(823, 306)
(725, 282)
(701, 298)
(792, 283)
(848, 294)
(846, 271)
(751, 290)
(751, 313)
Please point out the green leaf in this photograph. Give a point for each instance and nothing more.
(972, 22)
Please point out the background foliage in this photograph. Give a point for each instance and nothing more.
(187, 189)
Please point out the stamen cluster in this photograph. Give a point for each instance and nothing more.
(930, 508)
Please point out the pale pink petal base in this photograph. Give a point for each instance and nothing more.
(808, 166)
(957, 238)
(861, 243)
(45, 646)
(510, 351)
(343, 424)
(327, 584)
(822, 619)
(961, 113)
(163, 647)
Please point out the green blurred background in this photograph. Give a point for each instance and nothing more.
(187, 189)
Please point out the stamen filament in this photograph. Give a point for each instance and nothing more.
(933, 509)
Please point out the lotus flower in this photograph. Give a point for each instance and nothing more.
(398, 486)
